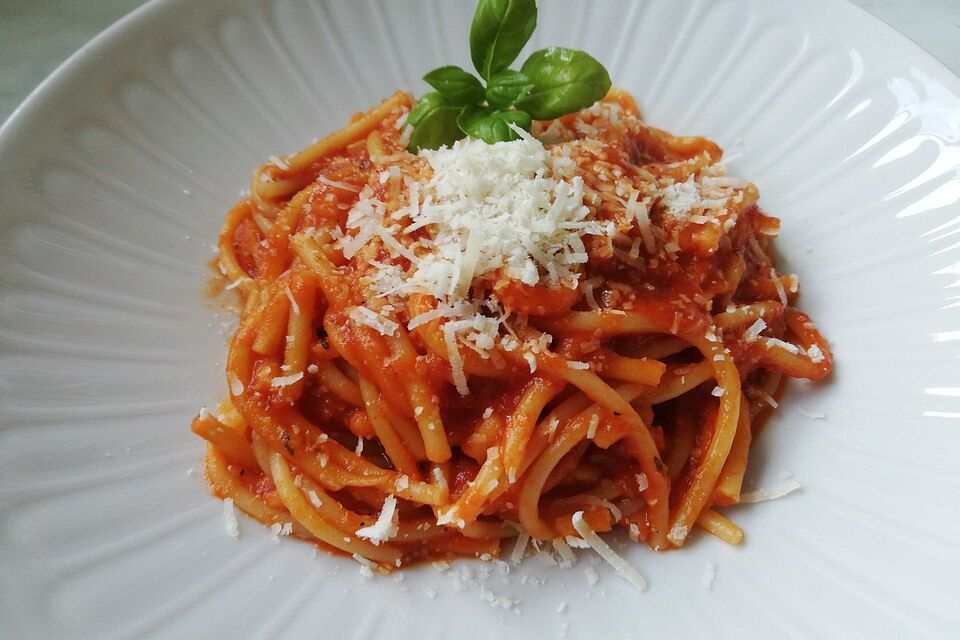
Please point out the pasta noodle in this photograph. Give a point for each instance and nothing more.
(402, 425)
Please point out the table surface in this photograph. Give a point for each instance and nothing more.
(37, 35)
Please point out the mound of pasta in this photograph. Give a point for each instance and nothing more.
(547, 338)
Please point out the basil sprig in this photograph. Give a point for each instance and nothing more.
(551, 83)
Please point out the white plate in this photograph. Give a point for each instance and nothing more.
(116, 173)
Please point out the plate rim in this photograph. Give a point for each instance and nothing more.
(29, 109)
(133, 19)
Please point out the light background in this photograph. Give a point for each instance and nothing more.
(37, 35)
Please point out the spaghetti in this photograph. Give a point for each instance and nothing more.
(408, 384)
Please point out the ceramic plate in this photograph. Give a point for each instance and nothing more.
(116, 173)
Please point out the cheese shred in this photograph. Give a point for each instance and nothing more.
(621, 566)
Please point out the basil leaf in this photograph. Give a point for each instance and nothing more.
(427, 103)
(456, 85)
(500, 29)
(507, 87)
(434, 123)
(492, 126)
(565, 80)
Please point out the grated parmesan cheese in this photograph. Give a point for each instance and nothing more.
(456, 361)
(709, 573)
(519, 549)
(766, 397)
(777, 491)
(811, 415)
(754, 330)
(366, 316)
(643, 483)
(606, 504)
(283, 381)
(770, 343)
(577, 543)
(513, 209)
(592, 576)
(366, 566)
(294, 307)
(277, 162)
(496, 600)
(567, 557)
(236, 386)
(623, 569)
(531, 360)
(405, 134)
(236, 283)
(779, 285)
(337, 184)
(385, 527)
(815, 354)
(493, 207)
(680, 198)
(230, 519)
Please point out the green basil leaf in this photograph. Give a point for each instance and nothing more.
(506, 87)
(434, 123)
(500, 29)
(565, 80)
(492, 126)
(427, 103)
(456, 85)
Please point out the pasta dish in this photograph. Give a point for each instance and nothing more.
(546, 338)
